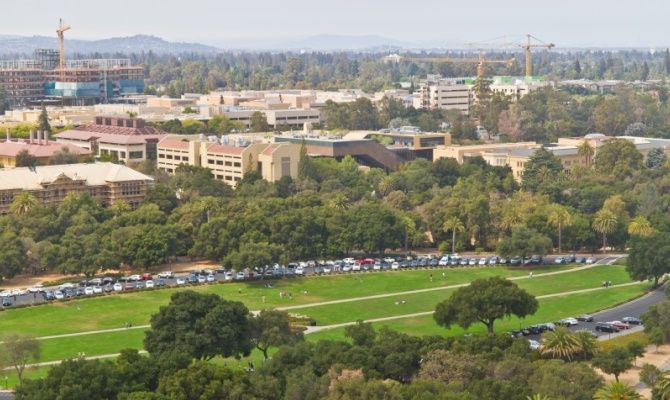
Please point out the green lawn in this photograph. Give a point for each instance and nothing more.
(419, 302)
(551, 309)
(114, 311)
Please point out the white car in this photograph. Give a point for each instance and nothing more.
(59, 295)
(533, 344)
(149, 284)
(300, 270)
(201, 279)
(88, 290)
(327, 269)
(377, 267)
(590, 260)
(444, 261)
(482, 261)
(95, 281)
(166, 274)
(395, 265)
(356, 267)
(389, 260)
(570, 321)
(210, 278)
(66, 286)
(181, 281)
(472, 261)
(228, 276)
(97, 289)
(135, 278)
(348, 260)
(35, 289)
(240, 276)
(117, 287)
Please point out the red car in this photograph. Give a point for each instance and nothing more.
(620, 325)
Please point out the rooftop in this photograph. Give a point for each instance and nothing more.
(98, 174)
(12, 149)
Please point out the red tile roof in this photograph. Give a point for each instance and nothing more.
(174, 143)
(12, 149)
(113, 134)
(219, 148)
(270, 149)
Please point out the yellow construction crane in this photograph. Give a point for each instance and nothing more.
(61, 43)
(481, 61)
(529, 57)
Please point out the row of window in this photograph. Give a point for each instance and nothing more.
(228, 178)
(227, 163)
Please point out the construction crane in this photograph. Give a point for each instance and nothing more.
(481, 61)
(61, 44)
(529, 57)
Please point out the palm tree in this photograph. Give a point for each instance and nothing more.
(560, 343)
(23, 203)
(538, 397)
(385, 186)
(663, 387)
(617, 391)
(585, 150)
(453, 224)
(605, 223)
(640, 226)
(340, 202)
(586, 344)
(559, 217)
(510, 218)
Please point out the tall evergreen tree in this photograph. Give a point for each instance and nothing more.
(43, 121)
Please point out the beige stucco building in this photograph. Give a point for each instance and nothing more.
(50, 184)
(230, 163)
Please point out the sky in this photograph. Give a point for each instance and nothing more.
(225, 23)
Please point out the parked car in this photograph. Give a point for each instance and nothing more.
(49, 295)
(570, 321)
(482, 261)
(444, 261)
(590, 260)
(580, 259)
(620, 325)
(166, 274)
(606, 327)
(160, 282)
(585, 318)
(389, 259)
(516, 260)
(6, 302)
(535, 259)
(327, 269)
(140, 285)
(146, 276)
(533, 344)
(631, 320)
(300, 271)
(58, 295)
(503, 260)
(192, 279)
(97, 289)
(36, 289)
(559, 260)
(472, 261)
(240, 276)
(135, 278)
(228, 276)
(88, 290)
(493, 260)
(181, 281)
(464, 261)
(149, 284)
(203, 279)
(210, 278)
(118, 287)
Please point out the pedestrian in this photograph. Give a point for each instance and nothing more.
(431, 276)
(444, 275)
(530, 275)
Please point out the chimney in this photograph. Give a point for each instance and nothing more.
(46, 137)
(9, 136)
(32, 136)
(39, 137)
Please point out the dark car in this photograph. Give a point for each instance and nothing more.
(515, 260)
(192, 278)
(49, 296)
(535, 330)
(6, 302)
(515, 333)
(535, 259)
(414, 263)
(434, 262)
(159, 282)
(631, 320)
(580, 259)
(608, 328)
(585, 318)
(570, 258)
(423, 262)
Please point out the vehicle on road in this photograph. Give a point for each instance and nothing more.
(534, 344)
(240, 276)
(590, 260)
(620, 325)
(149, 284)
(606, 328)
(166, 274)
(181, 281)
(6, 302)
(97, 289)
(569, 321)
(585, 318)
(88, 290)
(631, 320)
(118, 287)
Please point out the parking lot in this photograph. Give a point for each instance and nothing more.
(118, 284)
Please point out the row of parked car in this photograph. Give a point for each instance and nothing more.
(605, 327)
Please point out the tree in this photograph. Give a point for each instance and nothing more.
(361, 333)
(23, 203)
(201, 325)
(43, 121)
(650, 375)
(561, 380)
(258, 122)
(560, 217)
(635, 349)
(542, 165)
(305, 165)
(617, 391)
(656, 337)
(13, 258)
(587, 345)
(272, 328)
(640, 226)
(485, 301)
(605, 222)
(618, 158)
(524, 242)
(454, 225)
(656, 158)
(586, 150)
(614, 361)
(258, 256)
(25, 159)
(644, 73)
(560, 343)
(657, 317)
(18, 351)
(648, 257)
(63, 156)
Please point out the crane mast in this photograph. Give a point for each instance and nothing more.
(61, 44)
(527, 50)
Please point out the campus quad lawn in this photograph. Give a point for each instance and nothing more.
(551, 309)
(115, 311)
(420, 302)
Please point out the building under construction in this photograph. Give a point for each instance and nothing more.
(50, 79)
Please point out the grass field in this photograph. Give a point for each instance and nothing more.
(114, 311)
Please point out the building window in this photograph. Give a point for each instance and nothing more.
(135, 154)
(123, 154)
(169, 156)
(229, 164)
(210, 161)
(236, 164)
(286, 166)
(161, 156)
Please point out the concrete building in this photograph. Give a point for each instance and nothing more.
(39, 146)
(50, 184)
(414, 142)
(125, 139)
(460, 153)
(229, 163)
(447, 94)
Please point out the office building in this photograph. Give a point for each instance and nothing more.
(39, 146)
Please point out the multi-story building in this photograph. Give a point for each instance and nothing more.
(125, 139)
(229, 163)
(460, 153)
(38, 146)
(447, 94)
(50, 184)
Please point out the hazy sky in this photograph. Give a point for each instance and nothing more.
(220, 22)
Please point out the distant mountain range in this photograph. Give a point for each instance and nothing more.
(10, 44)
